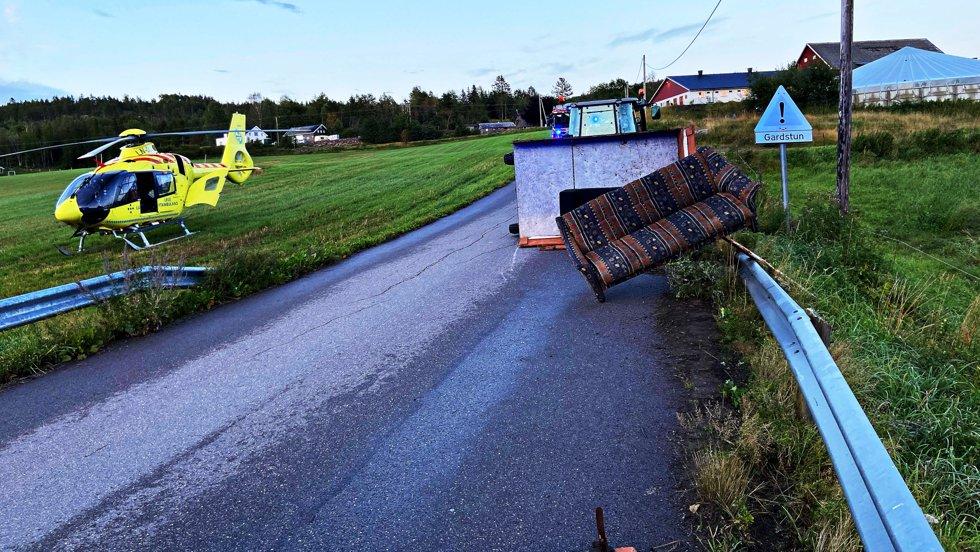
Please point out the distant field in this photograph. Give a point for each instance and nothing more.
(305, 211)
(733, 125)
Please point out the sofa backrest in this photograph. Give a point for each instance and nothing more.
(730, 178)
(647, 199)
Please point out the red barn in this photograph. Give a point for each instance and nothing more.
(862, 52)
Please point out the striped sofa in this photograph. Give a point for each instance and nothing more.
(657, 217)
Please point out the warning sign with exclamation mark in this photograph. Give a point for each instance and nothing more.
(782, 122)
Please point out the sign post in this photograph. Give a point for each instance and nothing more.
(783, 123)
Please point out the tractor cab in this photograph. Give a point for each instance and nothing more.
(605, 117)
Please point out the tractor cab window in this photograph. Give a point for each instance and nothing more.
(165, 184)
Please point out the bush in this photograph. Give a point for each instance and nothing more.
(876, 144)
(814, 86)
(938, 141)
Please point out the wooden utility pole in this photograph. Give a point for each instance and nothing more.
(846, 98)
(644, 76)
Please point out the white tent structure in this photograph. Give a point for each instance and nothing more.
(913, 75)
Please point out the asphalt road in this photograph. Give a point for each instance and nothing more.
(444, 391)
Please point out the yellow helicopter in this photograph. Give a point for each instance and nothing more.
(143, 189)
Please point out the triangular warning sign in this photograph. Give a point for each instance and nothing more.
(782, 121)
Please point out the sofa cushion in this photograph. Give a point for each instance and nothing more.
(641, 202)
(663, 240)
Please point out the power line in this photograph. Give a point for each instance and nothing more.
(710, 15)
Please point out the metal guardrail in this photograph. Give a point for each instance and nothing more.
(886, 515)
(38, 305)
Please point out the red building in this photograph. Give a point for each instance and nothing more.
(862, 52)
(706, 88)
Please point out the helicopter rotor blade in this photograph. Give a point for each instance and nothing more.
(115, 140)
(201, 132)
(32, 150)
(104, 147)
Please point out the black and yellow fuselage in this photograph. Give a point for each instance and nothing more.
(144, 186)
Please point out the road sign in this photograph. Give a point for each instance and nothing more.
(782, 122)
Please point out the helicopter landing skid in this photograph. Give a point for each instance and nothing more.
(128, 235)
(140, 230)
(80, 234)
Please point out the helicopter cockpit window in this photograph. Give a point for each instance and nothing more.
(127, 192)
(165, 183)
(107, 190)
(70, 190)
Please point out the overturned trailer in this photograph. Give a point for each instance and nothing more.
(556, 176)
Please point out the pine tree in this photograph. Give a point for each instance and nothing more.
(562, 88)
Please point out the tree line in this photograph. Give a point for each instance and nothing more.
(423, 115)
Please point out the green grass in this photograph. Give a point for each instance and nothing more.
(905, 335)
(305, 212)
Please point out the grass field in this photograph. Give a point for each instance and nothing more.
(906, 319)
(306, 211)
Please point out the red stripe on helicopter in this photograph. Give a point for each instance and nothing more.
(150, 158)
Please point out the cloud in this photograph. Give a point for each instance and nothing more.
(656, 34)
(288, 6)
(559, 67)
(482, 72)
(817, 16)
(10, 14)
(632, 38)
(24, 90)
(102, 13)
(221, 71)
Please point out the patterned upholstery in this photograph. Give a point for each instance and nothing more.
(657, 217)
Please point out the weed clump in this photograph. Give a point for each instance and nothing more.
(878, 145)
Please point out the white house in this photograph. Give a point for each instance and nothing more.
(310, 134)
(706, 88)
(256, 134)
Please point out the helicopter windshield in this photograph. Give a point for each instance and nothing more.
(107, 190)
(70, 190)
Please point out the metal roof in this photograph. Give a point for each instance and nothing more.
(717, 81)
(304, 129)
(866, 51)
(915, 65)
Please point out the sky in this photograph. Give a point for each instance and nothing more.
(228, 49)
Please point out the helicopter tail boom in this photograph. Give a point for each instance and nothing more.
(235, 156)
